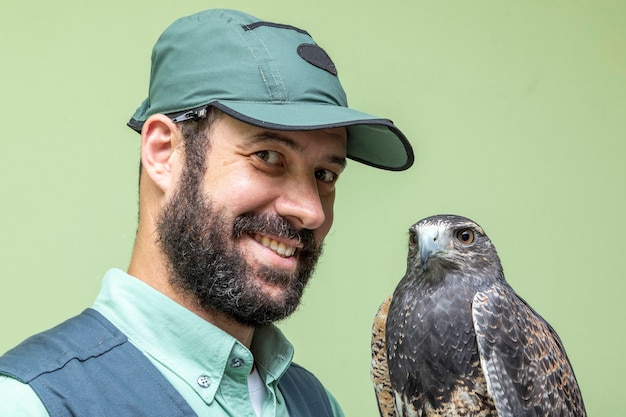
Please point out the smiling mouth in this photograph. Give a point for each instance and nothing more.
(278, 247)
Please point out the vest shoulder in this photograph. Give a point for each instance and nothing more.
(52, 349)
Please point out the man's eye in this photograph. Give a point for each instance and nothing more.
(271, 157)
(325, 175)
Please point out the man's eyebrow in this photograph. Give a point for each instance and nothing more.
(290, 143)
(338, 160)
(276, 138)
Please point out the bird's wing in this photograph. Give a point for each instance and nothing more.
(523, 359)
(380, 369)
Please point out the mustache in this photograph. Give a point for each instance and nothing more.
(272, 225)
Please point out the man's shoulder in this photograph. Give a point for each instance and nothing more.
(85, 366)
(81, 337)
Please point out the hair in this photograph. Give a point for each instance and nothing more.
(196, 142)
(195, 137)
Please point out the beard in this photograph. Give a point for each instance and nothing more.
(205, 263)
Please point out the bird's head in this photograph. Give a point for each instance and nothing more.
(443, 243)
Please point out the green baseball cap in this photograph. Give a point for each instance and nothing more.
(266, 74)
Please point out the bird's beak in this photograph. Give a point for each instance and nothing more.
(429, 244)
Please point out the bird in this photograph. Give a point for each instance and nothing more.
(455, 339)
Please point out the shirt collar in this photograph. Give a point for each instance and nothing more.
(184, 343)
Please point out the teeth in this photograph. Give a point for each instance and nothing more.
(278, 247)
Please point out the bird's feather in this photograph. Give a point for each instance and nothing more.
(523, 358)
(379, 370)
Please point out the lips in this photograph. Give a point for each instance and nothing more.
(279, 248)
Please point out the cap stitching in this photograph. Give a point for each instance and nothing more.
(278, 82)
(256, 60)
(275, 72)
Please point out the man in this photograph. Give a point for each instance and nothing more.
(244, 134)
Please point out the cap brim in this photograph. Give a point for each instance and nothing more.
(371, 140)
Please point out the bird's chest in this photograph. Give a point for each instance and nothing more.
(432, 354)
(430, 337)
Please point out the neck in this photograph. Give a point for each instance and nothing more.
(147, 264)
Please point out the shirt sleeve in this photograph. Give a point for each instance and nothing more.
(19, 399)
(337, 411)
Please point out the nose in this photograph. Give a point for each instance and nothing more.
(301, 204)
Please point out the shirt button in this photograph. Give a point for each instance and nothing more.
(236, 362)
(204, 381)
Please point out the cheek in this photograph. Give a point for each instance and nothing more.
(239, 194)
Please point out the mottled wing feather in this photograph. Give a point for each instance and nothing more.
(379, 369)
(526, 367)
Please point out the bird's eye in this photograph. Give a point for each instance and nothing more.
(412, 238)
(465, 236)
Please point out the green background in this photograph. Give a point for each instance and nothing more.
(516, 110)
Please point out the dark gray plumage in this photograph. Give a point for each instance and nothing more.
(456, 340)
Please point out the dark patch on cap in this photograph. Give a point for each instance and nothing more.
(315, 55)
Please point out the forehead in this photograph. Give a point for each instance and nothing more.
(332, 141)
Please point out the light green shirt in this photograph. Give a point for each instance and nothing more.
(207, 366)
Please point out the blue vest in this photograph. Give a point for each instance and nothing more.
(87, 367)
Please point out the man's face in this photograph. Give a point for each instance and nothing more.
(244, 238)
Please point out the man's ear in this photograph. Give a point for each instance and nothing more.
(160, 139)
